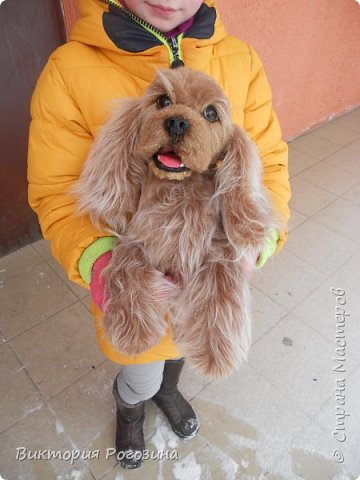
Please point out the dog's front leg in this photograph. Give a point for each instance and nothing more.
(133, 320)
(213, 325)
(245, 224)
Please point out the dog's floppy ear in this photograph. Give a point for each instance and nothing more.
(244, 203)
(110, 183)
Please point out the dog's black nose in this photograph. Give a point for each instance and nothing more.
(176, 126)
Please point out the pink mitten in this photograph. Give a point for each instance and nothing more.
(248, 263)
(167, 288)
(97, 284)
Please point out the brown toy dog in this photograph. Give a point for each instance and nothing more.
(181, 188)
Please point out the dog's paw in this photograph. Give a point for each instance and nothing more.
(211, 365)
(133, 335)
(247, 233)
(135, 291)
(212, 343)
(218, 355)
(134, 321)
(215, 332)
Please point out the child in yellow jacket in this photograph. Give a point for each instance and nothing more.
(114, 51)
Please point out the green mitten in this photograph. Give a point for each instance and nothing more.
(269, 248)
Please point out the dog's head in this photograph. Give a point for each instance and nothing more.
(184, 123)
(181, 125)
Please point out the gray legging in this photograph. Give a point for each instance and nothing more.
(140, 381)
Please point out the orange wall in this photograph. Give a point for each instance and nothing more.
(310, 49)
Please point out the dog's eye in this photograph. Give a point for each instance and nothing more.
(163, 101)
(211, 114)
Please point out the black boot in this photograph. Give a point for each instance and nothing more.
(129, 431)
(182, 418)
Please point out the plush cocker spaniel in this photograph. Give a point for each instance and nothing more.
(180, 185)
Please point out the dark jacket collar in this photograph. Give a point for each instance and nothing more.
(134, 36)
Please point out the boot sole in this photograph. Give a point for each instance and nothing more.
(189, 436)
(126, 466)
(179, 434)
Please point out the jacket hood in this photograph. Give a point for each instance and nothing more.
(90, 30)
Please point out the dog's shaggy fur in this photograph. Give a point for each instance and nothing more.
(195, 225)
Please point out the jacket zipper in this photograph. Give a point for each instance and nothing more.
(173, 44)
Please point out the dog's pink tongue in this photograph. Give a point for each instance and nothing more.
(169, 160)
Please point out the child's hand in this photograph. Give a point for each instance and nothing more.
(97, 284)
(167, 289)
(248, 263)
(269, 249)
(258, 260)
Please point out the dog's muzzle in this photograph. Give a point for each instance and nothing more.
(166, 159)
(166, 163)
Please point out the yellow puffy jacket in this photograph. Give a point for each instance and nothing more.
(112, 55)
